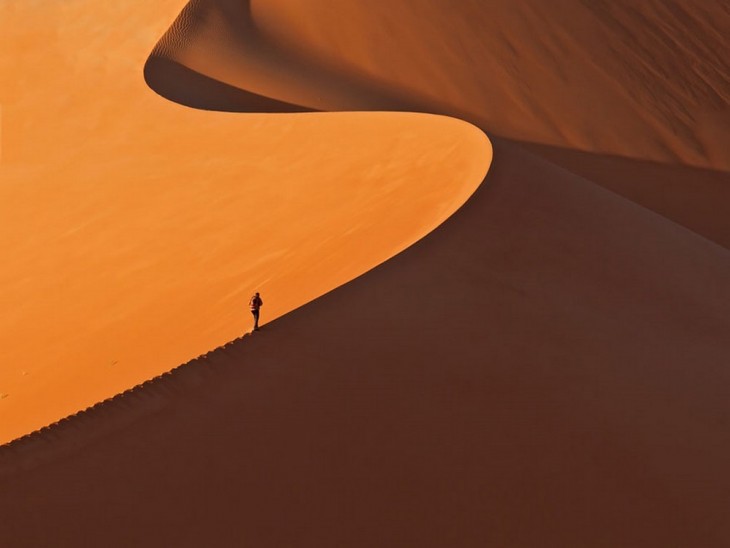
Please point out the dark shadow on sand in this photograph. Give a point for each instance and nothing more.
(185, 86)
(696, 198)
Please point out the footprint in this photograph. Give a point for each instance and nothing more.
(3, 396)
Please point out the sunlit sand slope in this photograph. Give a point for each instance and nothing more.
(647, 80)
(613, 80)
(548, 368)
(133, 230)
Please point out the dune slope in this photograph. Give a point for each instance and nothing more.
(613, 81)
(547, 368)
(133, 230)
(616, 92)
(544, 369)
(600, 76)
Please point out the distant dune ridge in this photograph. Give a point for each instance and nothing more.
(133, 231)
(547, 368)
(630, 86)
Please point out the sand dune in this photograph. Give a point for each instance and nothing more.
(645, 80)
(548, 368)
(543, 370)
(609, 80)
(133, 230)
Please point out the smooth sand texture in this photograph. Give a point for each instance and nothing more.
(612, 79)
(644, 80)
(543, 370)
(548, 368)
(133, 230)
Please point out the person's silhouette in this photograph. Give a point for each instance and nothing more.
(255, 305)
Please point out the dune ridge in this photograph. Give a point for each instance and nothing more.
(614, 95)
(643, 73)
(540, 443)
(547, 368)
(645, 85)
(132, 240)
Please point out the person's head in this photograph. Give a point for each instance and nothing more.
(256, 294)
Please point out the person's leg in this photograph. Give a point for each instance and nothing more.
(255, 318)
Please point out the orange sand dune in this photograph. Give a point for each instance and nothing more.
(646, 81)
(548, 368)
(545, 369)
(133, 230)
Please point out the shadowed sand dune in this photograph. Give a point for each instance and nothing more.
(645, 80)
(548, 368)
(610, 79)
(693, 197)
(537, 372)
(133, 230)
(182, 85)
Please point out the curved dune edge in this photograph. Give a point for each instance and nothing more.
(298, 275)
(633, 97)
(600, 77)
(583, 401)
(584, 371)
(442, 159)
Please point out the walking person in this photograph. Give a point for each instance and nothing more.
(255, 305)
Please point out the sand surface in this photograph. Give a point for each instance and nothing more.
(547, 368)
(589, 409)
(612, 80)
(133, 230)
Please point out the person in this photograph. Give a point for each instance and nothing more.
(255, 305)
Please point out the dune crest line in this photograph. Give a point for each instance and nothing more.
(151, 222)
(548, 368)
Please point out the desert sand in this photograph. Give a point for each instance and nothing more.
(548, 367)
(134, 230)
